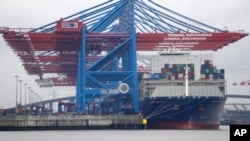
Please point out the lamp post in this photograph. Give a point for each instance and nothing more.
(20, 91)
(25, 93)
(16, 90)
(35, 97)
(25, 108)
(29, 94)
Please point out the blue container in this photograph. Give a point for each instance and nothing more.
(203, 67)
(222, 76)
(176, 77)
(162, 75)
(166, 66)
(222, 71)
(215, 75)
(155, 76)
(203, 71)
(173, 70)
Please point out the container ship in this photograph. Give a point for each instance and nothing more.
(183, 91)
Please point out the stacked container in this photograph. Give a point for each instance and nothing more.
(210, 72)
(174, 72)
(177, 72)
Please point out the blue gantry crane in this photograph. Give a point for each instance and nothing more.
(104, 79)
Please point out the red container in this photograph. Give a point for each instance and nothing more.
(206, 62)
(174, 66)
(164, 70)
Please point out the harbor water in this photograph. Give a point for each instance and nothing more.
(118, 135)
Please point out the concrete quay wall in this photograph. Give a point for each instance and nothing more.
(70, 120)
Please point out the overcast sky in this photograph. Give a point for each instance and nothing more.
(231, 14)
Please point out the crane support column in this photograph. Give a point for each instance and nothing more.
(134, 62)
(81, 77)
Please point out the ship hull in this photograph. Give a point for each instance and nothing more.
(183, 112)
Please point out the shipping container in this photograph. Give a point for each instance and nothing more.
(174, 66)
(164, 70)
(155, 76)
(166, 66)
(172, 77)
(163, 75)
(222, 71)
(145, 76)
(190, 65)
(180, 75)
(208, 62)
(169, 73)
(222, 76)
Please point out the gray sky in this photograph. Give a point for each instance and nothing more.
(232, 14)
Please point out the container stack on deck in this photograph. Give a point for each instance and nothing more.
(177, 72)
(210, 72)
(174, 72)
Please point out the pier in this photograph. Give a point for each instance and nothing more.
(70, 122)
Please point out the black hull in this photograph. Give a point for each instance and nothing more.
(183, 112)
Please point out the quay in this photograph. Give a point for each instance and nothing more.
(70, 122)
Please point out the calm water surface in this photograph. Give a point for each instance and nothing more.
(118, 135)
